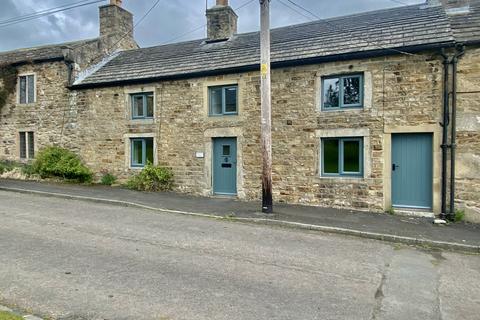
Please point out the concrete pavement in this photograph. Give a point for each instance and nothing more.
(79, 260)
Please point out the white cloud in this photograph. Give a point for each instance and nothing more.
(169, 19)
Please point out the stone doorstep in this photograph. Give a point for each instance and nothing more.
(26, 317)
(414, 213)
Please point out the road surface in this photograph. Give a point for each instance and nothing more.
(79, 260)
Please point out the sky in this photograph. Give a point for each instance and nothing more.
(169, 20)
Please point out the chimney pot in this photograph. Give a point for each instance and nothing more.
(222, 3)
(116, 2)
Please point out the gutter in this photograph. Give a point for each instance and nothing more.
(43, 60)
(274, 65)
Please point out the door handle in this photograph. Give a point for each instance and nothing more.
(394, 166)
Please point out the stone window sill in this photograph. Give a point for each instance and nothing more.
(141, 121)
(31, 104)
(351, 110)
(341, 179)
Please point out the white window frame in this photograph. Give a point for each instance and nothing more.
(34, 88)
(28, 156)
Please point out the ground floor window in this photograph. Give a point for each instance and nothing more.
(27, 145)
(141, 151)
(342, 156)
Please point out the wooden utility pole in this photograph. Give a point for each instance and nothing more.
(266, 100)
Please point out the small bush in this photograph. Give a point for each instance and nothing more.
(152, 178)
(7, 166)
(61, 163)
(459, 215)
(28, 170)
(108, 179)
(391, 211)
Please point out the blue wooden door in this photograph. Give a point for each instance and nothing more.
(225, 166)
(412, 170)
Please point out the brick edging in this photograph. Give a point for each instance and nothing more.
(452, 246)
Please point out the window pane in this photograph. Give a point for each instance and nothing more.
(351, 156)
(31, 88)
(31, 146)
(149, 106)
(137, 102)
(226, 150)
(23, 89)
(23, 145)
(351, 90)
(330, 156)
(137, 152)
(216, 100)
(331, 90)
(231, 99)
(149, 147)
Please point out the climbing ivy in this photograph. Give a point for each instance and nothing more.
(8, 82)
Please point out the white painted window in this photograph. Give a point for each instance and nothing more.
(27, 145)
(26, 89)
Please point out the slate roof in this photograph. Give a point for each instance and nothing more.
(466, 28)
(397, 28)
(49, 52)
(402, 28)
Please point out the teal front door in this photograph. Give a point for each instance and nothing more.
(225, 166)
(412, 170)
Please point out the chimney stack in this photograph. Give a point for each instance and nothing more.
(115, 21)
(221, 21)
(452, 7)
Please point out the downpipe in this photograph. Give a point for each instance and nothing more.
(444, 124)
(460, 52)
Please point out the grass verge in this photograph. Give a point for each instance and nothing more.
(9, 316)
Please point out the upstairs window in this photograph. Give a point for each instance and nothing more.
(141, 152)
(142, 105)
(223, 100)
(342, 157)
(26, 88)
(339, 92)
(27, 145)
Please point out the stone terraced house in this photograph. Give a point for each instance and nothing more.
(370, 111)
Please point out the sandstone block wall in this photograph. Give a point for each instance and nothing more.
(468, 135)
(47, 117)
(401, 93)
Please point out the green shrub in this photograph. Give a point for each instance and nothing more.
(108, 179)
(459, 215)
(61, 163)
(8, 166)
(28, 170)
(25, 168)
(152, 178)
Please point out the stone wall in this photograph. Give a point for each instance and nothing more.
(399, 91)
(468, 135)
(47, 117)
(402, 94)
